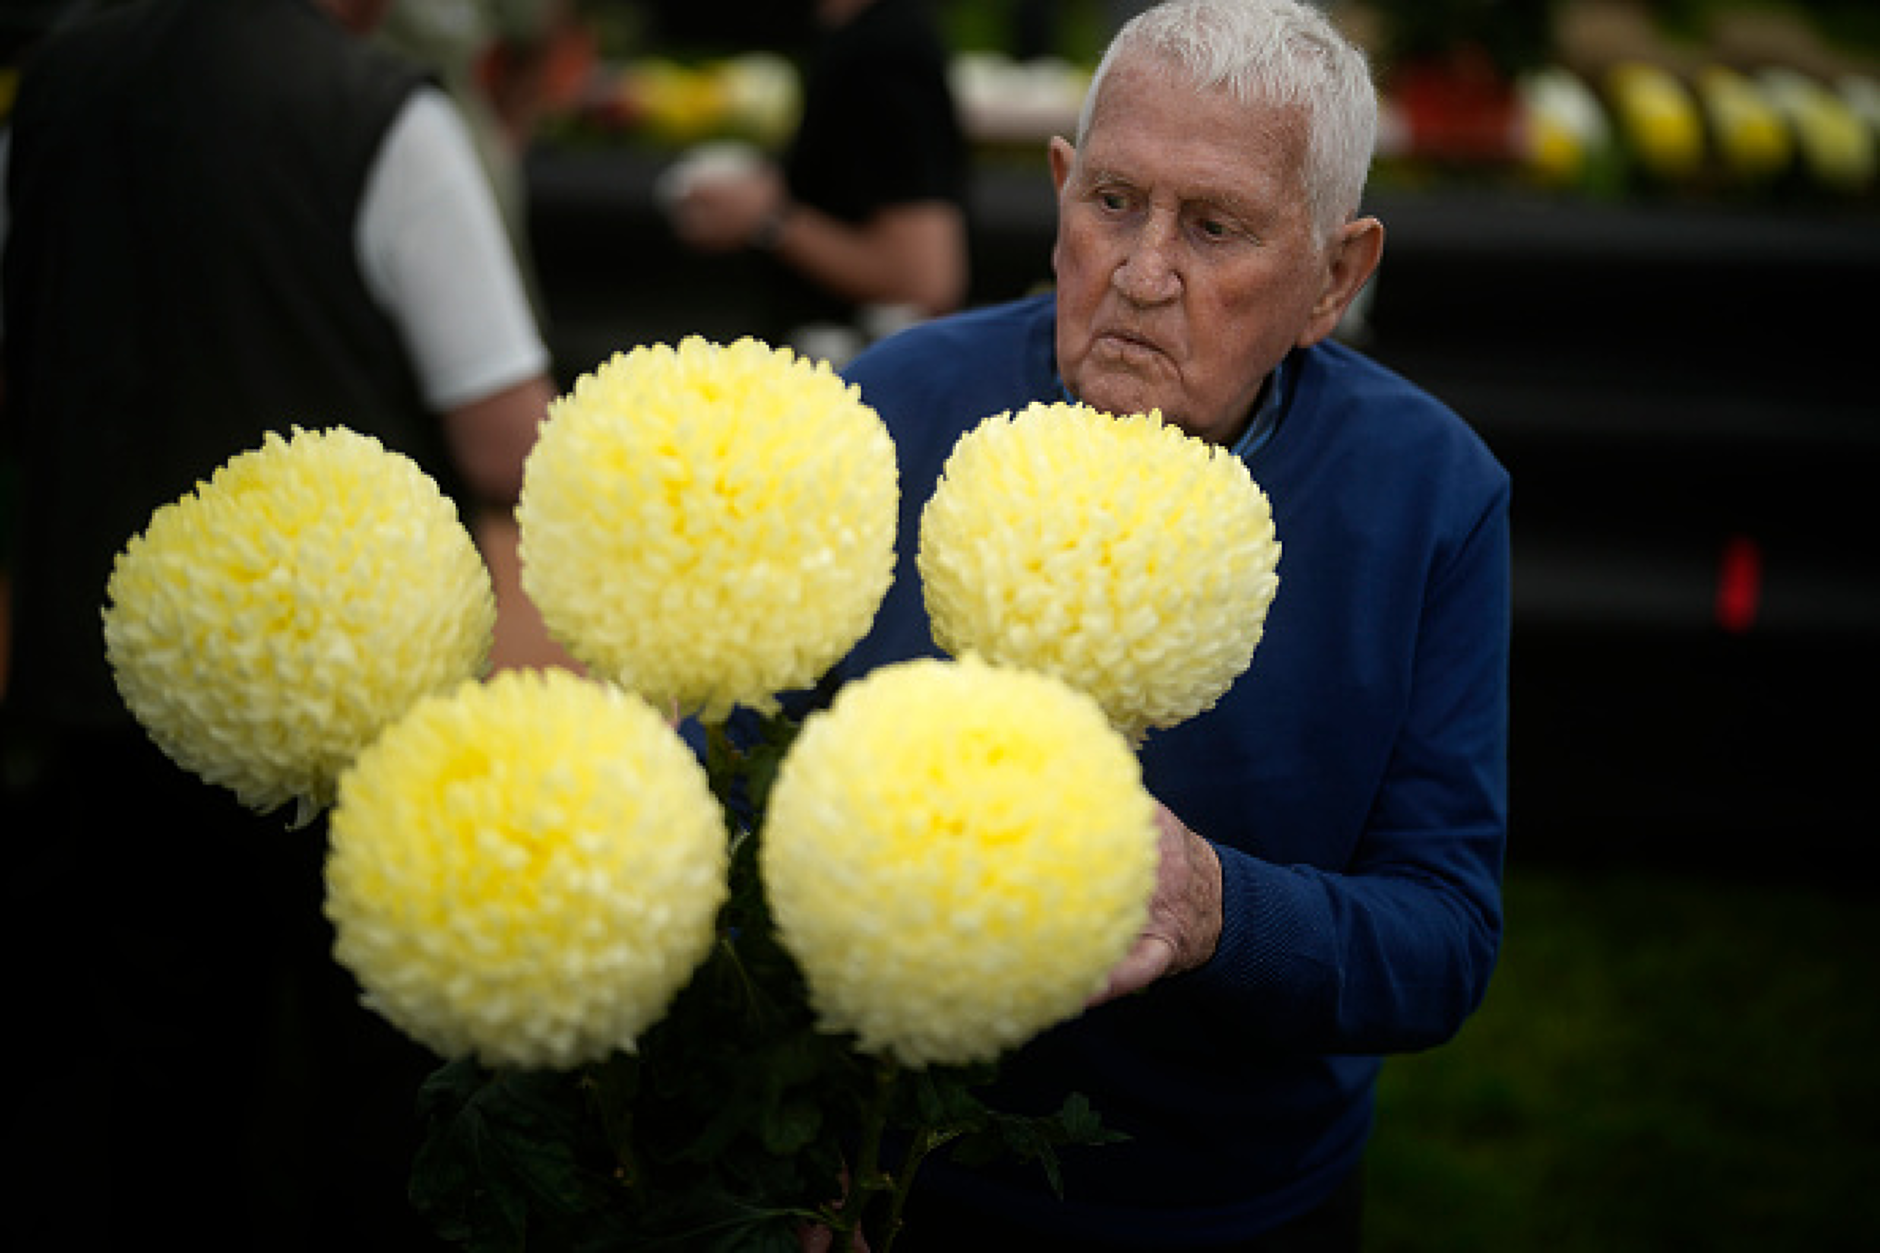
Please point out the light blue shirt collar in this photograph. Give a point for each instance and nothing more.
(1265, 413)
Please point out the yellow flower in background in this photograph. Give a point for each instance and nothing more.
(710, 524)
(1834, 142)
(526, 870)
(1658, 117)
(1568, 133)
(1119, 554)
(264, 628)
(957, 855)
(1747, 131)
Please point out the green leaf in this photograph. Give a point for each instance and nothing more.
(1079, 1123)
(501, 1155)
(763, 759)
(944, 1099)
(447, 1180)
(1037, 1138)
(790, 1125)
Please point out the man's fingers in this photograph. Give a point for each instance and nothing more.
(1148, 960)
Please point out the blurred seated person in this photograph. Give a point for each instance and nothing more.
(867, 209)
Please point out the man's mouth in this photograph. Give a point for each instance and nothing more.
(1127, 346)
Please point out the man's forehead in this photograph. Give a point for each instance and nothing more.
(1249, 111)
(1149, 70)
(1221, 140)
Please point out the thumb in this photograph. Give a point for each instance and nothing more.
(1150, 958)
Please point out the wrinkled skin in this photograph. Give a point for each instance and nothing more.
(1187, 262)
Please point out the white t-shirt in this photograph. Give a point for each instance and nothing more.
(434, 253)
(433, 249)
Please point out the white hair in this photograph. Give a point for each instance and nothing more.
(1274, 52)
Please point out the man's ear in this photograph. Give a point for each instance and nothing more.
(1352, 259)
(1062, 155)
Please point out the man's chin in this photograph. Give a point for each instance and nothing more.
(1117, 394)
(1122, 394)
(1122, 403)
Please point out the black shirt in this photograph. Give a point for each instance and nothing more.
(879, 128)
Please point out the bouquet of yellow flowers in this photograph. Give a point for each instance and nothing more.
(703, 999)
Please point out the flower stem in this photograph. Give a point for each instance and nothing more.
(722, 759)
(614, 1109)
(924, 1143)
(869, 1177)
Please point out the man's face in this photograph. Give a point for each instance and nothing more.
(1186, 263)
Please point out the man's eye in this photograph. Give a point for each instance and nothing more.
(1213, 228)
(1112, 201)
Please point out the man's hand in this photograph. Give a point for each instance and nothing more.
(722, 211)
(1184, 923)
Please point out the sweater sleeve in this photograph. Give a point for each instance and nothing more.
(1394, 951)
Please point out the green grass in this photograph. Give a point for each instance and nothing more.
(1662, 1063)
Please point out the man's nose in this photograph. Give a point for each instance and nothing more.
(1149, 273)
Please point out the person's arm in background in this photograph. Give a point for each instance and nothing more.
(911, 254)
(869, 204)
(483, 436)
(433, 247)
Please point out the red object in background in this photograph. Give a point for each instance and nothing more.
(1739, 584)
(526, 81)
(1458, 106)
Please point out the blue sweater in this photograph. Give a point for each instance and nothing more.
(1353, 781)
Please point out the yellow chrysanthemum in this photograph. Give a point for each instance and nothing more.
(957, 855)
(527, 870)
(711, 525)
(1119, 554)
(265, 628)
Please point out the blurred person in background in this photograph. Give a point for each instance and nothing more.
(222, 217)
(1333, 830)
(506, 64)
(866, 212)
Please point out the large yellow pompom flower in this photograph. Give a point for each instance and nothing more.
(710, 524)
(1125, 557)
(957, 855)
(264, 628)
(526, 870)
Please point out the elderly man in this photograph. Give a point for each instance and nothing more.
(1334, 828)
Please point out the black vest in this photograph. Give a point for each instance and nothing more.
(181, 276)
